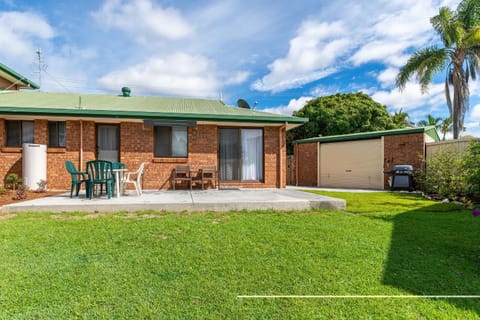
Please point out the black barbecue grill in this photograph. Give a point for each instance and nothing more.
(402, 177)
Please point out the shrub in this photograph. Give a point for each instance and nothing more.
(13, 180)
(444, 174)
(472, 168)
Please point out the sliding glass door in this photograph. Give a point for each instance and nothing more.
(241, 154)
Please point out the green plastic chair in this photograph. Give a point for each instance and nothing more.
(78, 177)
(100, 173)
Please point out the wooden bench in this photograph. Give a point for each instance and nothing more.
(206, 175)
(181, 174)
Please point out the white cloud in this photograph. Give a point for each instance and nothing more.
(293, 105)
(320, 49)
(143, 20)
(177, 74)
(385, 51)
(320, 91)
(475, 114)
(471, 129)
(19, 31)
(387, 77)
(238, 78)
(311, 55)
(407, 25)
(411, 97)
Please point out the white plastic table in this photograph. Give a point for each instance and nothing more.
(117, 180)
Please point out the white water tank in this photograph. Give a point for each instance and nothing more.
(34, 165)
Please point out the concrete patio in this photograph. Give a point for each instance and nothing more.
(182, 200)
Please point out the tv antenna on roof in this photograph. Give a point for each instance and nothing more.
(41, 66)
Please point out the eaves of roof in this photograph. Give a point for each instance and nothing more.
(9, 73)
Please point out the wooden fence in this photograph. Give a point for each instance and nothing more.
(459, 145)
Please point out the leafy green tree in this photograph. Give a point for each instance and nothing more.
(459, 57)
(445, 127)
(341, 113)
(401, 119)
(430, 121)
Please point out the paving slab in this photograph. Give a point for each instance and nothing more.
(182, 200)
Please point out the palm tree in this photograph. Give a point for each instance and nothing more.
(446, 126)
(430, 121)
(400, 119)
(460, 57)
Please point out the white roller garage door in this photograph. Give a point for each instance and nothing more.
(351, 164)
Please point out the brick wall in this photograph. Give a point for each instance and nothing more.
(136, 146)
(306, 163)
(403, 149)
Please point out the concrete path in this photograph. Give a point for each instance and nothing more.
(183, 200)
(335, 189)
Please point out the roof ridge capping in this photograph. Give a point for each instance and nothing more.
(428, 130)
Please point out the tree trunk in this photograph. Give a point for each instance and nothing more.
(460, 92)
(458, 99)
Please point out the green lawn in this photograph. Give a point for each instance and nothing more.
(194, 266)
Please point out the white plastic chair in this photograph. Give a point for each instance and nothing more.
(134, 177)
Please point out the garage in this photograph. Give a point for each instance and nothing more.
(357, 164)
(358, 160)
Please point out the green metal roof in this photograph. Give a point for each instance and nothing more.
(9, 74)
(430, 131)
(136, 107)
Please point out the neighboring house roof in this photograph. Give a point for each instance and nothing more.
(16, 78)
(133, 107)
(430, 131)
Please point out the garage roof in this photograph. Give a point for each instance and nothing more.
(430, 131)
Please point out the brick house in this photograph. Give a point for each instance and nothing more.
(359, 160)
(246, 146)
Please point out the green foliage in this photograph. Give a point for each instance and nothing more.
(472, 167)
(445, 127)
(444, 174)
(430, 121)
(160, 265)
(341, 113)
(458, 57)
(401, 119)
(13, 180)
(3, 190)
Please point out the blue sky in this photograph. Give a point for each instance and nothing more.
(275, 54)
